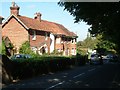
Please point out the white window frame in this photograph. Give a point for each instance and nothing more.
(46, 36)
(34, 49)
(72, 51)
(34, 35)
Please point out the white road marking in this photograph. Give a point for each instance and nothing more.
(78, 75)
(55, 85)
(91, 69)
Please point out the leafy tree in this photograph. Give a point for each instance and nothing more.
(102, 16)
(89, 42)
(102, 46)
(25, 49)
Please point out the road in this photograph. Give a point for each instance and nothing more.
(88, 76)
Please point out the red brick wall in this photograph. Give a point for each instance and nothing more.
(67, 45)
(59, 46)
(15, 32)
(40, 38)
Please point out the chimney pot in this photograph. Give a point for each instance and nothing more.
(14, 9)
(37, 16)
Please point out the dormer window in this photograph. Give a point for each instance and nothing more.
(34, 35)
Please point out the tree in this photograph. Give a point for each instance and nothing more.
(90, 42)
(103, 18)
(25, 49)
(104, 46)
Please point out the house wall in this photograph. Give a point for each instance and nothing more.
(15, 32)
(59, 45)
(67, 46)
(41, 40)
(72, 48)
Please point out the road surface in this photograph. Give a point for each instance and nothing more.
(88, 76)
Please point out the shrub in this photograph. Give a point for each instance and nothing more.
(25, 49)
(44, 64)
(2, 48)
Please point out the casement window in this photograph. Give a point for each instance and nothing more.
(72, 41)
(75, 52)
(34, 35)
(46, 36)
(58, 50)
(72, 51)
(58, 40)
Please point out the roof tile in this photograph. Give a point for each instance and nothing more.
(44, 25)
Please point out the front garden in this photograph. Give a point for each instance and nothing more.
(19, 69)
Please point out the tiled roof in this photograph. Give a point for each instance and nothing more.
(44, 25)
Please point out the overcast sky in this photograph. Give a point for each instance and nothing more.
(50, 11)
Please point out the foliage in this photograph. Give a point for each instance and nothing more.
(103, 46)
(2, 48)
(89, 42)
(26, 68)
(7, 42)
(56, 52)
(81, 51)
(103, 18)
(98, 43)
(25, 49)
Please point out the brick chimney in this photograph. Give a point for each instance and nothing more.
(1, 18)
(14, 9)
(38, 16)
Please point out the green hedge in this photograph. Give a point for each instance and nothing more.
(26, 68)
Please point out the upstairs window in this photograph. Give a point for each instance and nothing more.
(34, 35)
(46, 36)
(72, 51)
(58, 40)
(72, 41)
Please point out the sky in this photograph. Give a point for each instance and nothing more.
(50, 11)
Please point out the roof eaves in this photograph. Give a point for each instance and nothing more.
(16, 19)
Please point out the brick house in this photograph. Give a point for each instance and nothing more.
(43, 36)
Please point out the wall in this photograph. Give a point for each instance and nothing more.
(15, 32)
(40, 41)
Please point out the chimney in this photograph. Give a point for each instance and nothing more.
(14, 9)
(38, 16)
(1, 18)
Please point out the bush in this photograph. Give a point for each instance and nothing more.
(25, 49)
(56, 52)
(26, 68)
(2, 48)
(40, 65)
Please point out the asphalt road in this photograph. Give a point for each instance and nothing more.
(88, 76)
